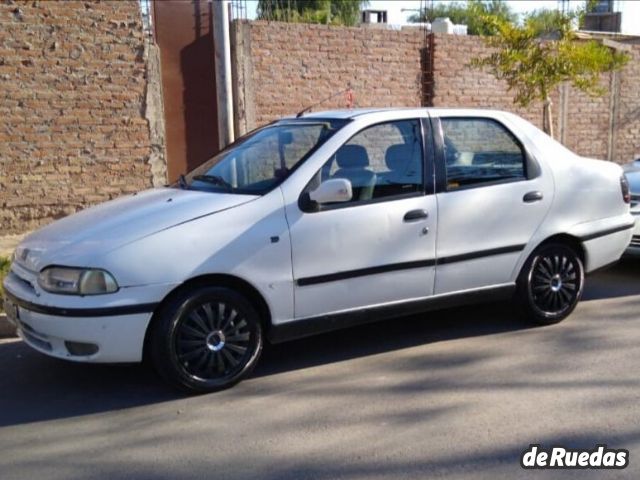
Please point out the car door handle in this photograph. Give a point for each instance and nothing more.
(532, 197)
(414, 215)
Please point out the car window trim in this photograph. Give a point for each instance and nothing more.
(428, 156)
(306, 206)
(530, 165)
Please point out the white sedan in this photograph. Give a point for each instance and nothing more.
(315, 223)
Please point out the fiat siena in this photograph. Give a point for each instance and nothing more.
(314, 223)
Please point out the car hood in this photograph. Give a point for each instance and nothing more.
(105, 227)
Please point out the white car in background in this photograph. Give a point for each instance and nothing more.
(314, 223)
(632, 172)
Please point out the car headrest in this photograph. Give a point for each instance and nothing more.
(352, 156)
(399, 156)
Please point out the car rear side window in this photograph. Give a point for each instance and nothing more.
(480, 151)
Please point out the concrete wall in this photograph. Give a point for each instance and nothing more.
(73, 109)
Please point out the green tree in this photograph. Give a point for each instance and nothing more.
(534, 66)
(544, 21)
(334, 12)
(472, 13)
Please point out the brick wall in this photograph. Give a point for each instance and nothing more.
(627, 134)
(296, 65)
(586, 120)
(458, 84)
(588, 123)
(78, 89)
(72, 101)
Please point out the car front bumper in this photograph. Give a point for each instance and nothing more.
(100, 329)
(103, 339)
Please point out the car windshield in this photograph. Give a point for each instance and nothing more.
(261, 160)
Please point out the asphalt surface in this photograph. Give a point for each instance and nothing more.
(457, 394)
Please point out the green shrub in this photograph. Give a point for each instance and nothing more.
(4, 270)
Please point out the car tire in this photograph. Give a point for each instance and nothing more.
(206, 340)
(551, 283)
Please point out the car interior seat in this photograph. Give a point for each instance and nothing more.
(403, 164)
(353, 161)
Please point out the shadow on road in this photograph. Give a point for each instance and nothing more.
(389, 335)
(37, 388)
(621, 280)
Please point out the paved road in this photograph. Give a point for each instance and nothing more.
(458, 394)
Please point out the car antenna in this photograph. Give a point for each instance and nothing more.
(347, 90)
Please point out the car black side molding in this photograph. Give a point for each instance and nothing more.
(361, 272)
(480, 253)
(82, 312)
(609, 231)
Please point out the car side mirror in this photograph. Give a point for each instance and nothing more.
(334, 190)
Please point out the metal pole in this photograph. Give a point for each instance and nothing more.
(222, 47)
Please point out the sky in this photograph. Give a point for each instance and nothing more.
(395, 15)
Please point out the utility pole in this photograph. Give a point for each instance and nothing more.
(222, 48)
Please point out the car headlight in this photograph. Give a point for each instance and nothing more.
(77, 281)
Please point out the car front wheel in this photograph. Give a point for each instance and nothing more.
(206, 340)
(551, 283)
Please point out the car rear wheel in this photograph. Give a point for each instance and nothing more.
(551, 283)
(206, 340)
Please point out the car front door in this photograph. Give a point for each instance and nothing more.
(492, 197)
(378, 247)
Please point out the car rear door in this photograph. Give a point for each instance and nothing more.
(492, 197)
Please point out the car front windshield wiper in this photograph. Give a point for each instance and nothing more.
(215, 180)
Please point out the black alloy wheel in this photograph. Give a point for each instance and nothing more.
(552, 283)
(206, 340)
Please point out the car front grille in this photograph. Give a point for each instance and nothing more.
(635, 241)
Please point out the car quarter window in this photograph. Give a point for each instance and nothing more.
(383, 160)
(480, 151)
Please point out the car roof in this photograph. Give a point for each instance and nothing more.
(360, 112)
(347, 113)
